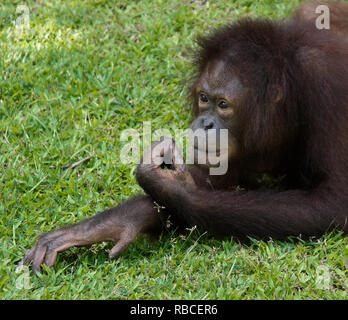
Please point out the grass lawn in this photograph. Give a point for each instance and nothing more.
(83, 72)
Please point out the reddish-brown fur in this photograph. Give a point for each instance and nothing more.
(338, 16)
(303, 136)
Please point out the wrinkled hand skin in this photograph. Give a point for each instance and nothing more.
(123, 223)
(153, 178)
(120, 225)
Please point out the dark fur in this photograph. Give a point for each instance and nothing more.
(338, 16)
(308, 131)
(304, 137)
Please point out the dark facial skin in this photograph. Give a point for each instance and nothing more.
(219, 96)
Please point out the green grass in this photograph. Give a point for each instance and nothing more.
(81, 74)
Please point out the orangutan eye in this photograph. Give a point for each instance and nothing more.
(223, 104)
(203, 98)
